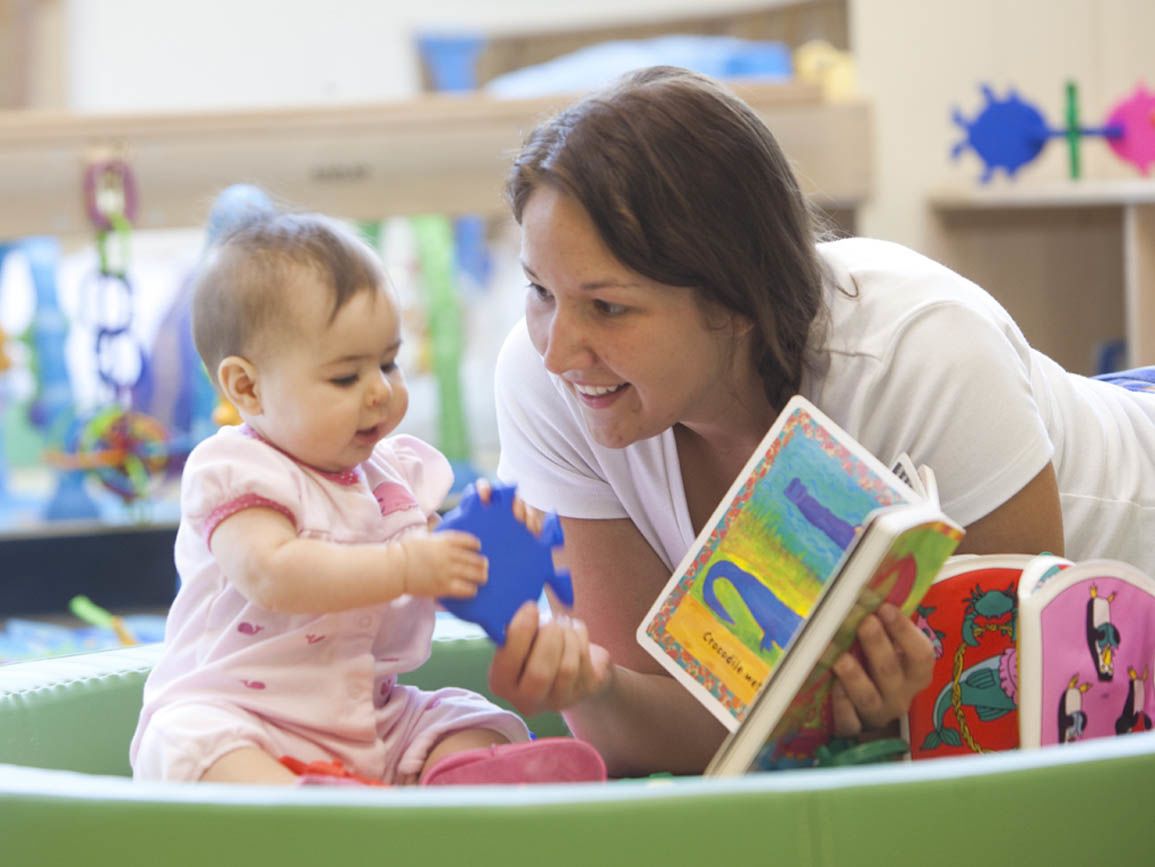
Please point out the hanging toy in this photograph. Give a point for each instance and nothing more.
(124, 450)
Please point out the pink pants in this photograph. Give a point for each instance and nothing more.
(182, 740)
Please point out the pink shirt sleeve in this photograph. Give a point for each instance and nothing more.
(230, 472)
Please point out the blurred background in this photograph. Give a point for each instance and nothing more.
(132, 131)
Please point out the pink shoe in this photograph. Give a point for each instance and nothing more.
(546, 760)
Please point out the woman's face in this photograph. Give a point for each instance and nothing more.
(638, 355)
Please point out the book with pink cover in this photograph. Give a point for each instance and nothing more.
(1086, 652)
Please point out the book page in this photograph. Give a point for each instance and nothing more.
(904, 468)
(969, 615)
(1087, 648)
(791, 719)
(765, 558)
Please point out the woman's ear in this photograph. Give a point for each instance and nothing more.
(238, 380)
(740, 326)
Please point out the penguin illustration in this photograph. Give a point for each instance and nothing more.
(1134, 718)
(1072, 718)
(1102, 635)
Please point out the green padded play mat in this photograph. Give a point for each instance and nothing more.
(65, 799)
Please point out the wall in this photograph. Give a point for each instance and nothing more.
(918, 59)
(128, 55)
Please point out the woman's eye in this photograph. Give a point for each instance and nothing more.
(539, 292)
(389, 367)
(344, 381)
(609, 308)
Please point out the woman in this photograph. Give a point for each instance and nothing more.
(677, 298)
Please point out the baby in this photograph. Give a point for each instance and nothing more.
(308, 572)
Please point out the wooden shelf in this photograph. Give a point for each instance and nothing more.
(1073, 194)
(1074, 262)
(440, 154)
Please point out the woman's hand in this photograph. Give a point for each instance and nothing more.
(527, 514)
(547, 666)
(899, 660)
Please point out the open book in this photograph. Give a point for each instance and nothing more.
(813, 535)
(1032, 651)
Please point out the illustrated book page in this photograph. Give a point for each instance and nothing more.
(765, 557)
(1087, 646)
(970, 615)
(791, 719)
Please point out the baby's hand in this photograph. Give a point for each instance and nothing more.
(527, 514)
(444, 564)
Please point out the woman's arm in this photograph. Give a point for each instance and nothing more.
(261, 554)
(1030, 522)
(639, 718)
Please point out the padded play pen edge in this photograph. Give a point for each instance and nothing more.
(1086, 804)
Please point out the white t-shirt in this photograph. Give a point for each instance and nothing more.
(914, 358)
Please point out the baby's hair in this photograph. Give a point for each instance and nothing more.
(240, 291)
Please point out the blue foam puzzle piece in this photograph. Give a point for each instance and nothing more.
(520, 563)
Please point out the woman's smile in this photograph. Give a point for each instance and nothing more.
(599, 396)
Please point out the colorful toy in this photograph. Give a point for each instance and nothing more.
(88, 611)
(334, 771)
(1009, 133)
(110, 198)
(125, 450)
(819, 62)
(443, 311)
(520, 563)
(52, 409)
(176, 388)
(5, 364)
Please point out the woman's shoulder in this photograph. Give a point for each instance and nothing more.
(879, 290)
(520, 377)
(517, 351)
(873, 271)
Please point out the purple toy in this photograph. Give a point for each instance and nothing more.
(520, 563)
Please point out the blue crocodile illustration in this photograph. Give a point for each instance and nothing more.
(777, 620)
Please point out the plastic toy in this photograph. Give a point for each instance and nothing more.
(5, 364)
(333, 770)
(1009, 133)
(819, 62)
(110, 198)
(435, 247)
(88, 611)
(520, 563)
(52, 409)
(176, 389)
(125, 450)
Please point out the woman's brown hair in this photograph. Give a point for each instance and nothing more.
(688, 187)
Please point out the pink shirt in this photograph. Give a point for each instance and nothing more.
(329, 673)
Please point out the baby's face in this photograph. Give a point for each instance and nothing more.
(332, 391)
